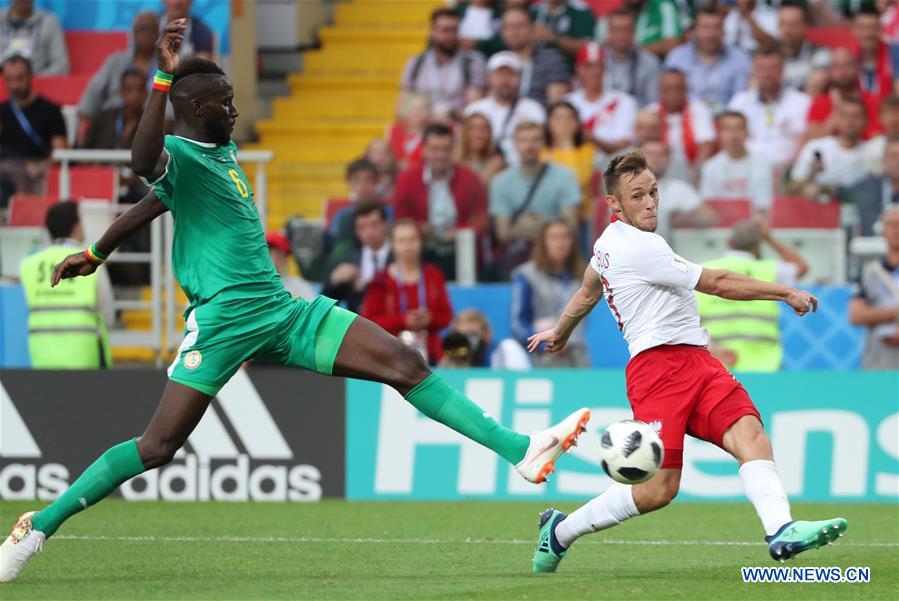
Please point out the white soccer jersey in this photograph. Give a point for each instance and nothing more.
(648, 288)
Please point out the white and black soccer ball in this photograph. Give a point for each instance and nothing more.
(631, 452)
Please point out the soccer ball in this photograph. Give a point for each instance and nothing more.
(631, 452)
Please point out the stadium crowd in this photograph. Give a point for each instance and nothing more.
(505, 122)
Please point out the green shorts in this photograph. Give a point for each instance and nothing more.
(220, 336)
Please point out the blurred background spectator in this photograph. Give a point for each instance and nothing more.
(279, 251)
(503, 106)
(362, 181)
(469, 343)
(842, 86)
(686, 126)
(409, 298)
(448, 75)
(659, 25)
(679, 202)
(541, 289)
(628, 67)
(352, 266)
(441, 198)
(563, 25)
(875, 193)
(102, 92)
(874, 148)
(544, 70)
(114, 127)
(405, 134)
(381, 156)
(874, 56)
(476, 149)
(735, 172)
(802, 58)
(750, 331)
(750, 24)
(34, 34)
(876, 304)
(480, 21)
(566, 145)
(199, 39)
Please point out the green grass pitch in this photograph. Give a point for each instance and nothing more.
(404, 550)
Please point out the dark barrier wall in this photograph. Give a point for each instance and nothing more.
(270, 435)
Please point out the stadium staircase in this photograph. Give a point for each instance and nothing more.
(344, 98)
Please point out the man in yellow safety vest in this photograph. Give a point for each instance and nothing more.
(66, 324)
(747, 334)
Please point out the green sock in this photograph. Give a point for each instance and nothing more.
(117, 465)
(443, 403)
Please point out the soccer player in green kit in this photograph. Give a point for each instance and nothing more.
(239, 310)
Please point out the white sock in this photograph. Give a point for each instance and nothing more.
(608, 509)
(766, 492)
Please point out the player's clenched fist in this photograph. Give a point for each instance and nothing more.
(802, 302)
(72, 266)
(169, 44)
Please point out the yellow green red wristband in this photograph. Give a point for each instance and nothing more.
(162, 81)
(95, 256)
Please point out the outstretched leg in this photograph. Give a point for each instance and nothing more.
(176, 416)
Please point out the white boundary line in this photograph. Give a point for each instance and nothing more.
(418, 541)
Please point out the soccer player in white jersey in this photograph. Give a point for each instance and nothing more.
(673, 382)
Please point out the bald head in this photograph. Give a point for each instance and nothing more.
(203, 99)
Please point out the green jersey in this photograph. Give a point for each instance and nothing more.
(219, 249)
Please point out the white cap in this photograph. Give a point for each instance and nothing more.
(504, 59)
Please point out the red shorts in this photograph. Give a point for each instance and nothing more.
(682, 389)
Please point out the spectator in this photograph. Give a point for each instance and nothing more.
(715, 71)
(199, 40)
(503, 107)
(874, 148)
(876, 304)
(102, 92)
(362, 181)
(545, 73)
(750, 331)
(659, 25)
(831, 161)
(405, 134)
(777, 115)
(469, 343)
(354, 268)
(679, 204)
(875, 73)
(409, 298)
(33, 34)
(629, 68)
(524, 196)
(686, 126)
(750, 24)
(279, 251)
(480, 21)
(476, 149)
(114, 127)
(607, 115)
(842, 85)
(441, 198)
(379, 153)
(563, 25)
(68, 323)
(876, 192)
(447, 75)
(566, 145)
(735, 172)
(801, 57)
(647, 127)
(541, 289)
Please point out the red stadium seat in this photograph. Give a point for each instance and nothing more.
(26, 210)
(89, 49)
(332, 207)
(61, 89)
(800, 212)
(87, 181)
(832, 37)
(730, 210)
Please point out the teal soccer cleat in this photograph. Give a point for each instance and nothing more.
(549, 551)
(797, 536)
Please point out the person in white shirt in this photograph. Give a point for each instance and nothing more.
(751, 24)
(503, 107)
(802, 58)
(683, 206)
(672, 380)
(825, 163)
(607, 115)
(687, 125)
(777, 115)
(736, 173)
(875, 147)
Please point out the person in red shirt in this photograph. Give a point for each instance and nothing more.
(409, 298)
(842, 75)
(406, 134)
(442, 198)
(874, 56)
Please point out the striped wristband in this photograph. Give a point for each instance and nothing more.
(95, 256)
(162, 81)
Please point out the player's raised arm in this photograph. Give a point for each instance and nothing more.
(578, 307)
(736, 286)
(148, 158)
(86, 262)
